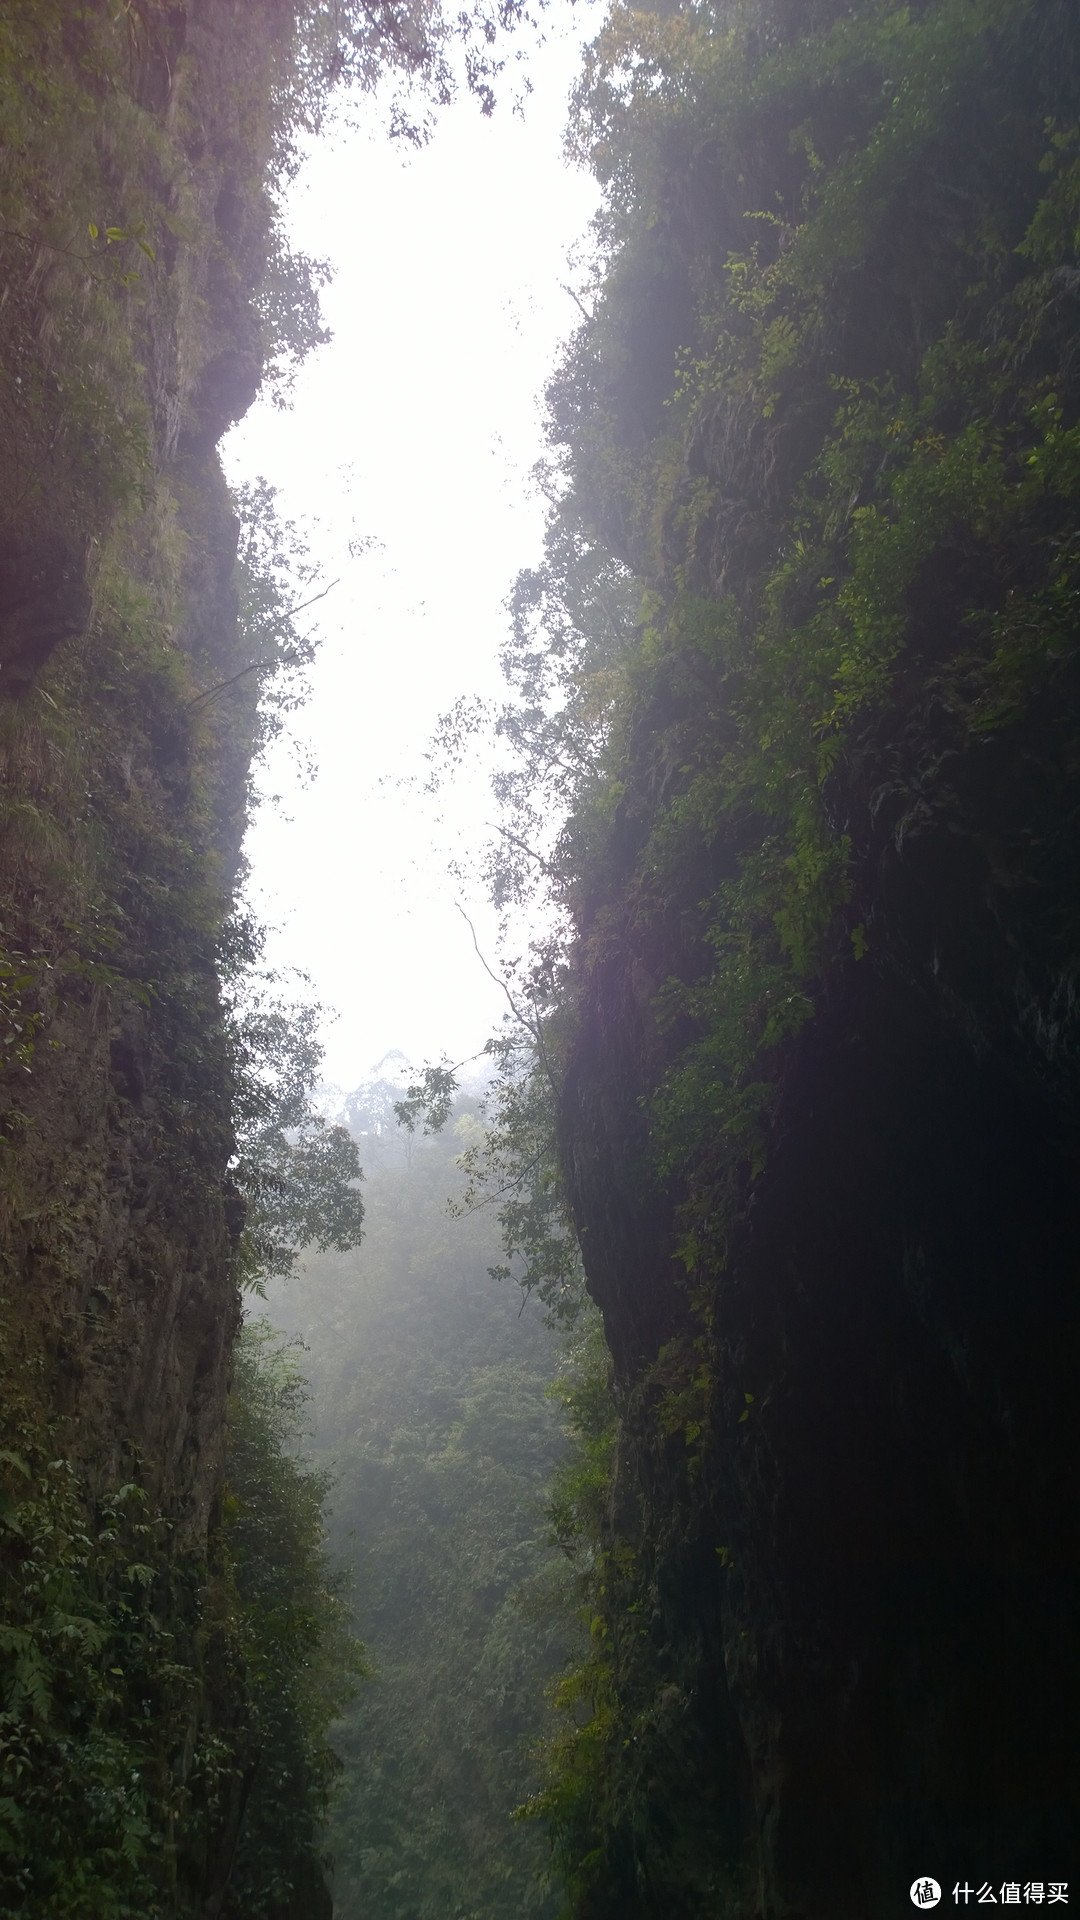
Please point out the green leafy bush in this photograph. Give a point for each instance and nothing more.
(99, 1682)
(290, 1639)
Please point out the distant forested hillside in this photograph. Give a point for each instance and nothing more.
(429, 1411)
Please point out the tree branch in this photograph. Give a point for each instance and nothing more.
(582, 310)
(254, 666)
(516, 842)
(532, 1026)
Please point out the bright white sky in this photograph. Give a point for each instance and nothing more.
(418, 425)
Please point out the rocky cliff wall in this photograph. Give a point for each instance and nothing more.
(819, 1118)
(135, 227)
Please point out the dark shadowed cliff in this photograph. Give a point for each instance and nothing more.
(810, 604)
(138, 239)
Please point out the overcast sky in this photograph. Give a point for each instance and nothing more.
(416, 428)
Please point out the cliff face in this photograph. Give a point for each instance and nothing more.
(135, 225)
(820, 1114)
(861, 1597)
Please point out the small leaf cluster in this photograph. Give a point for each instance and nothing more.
(298, 1175)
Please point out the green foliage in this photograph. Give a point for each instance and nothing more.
(511, 1161)
(736, 702)
(278, 580)
(74, 412)
(415, 59)
(428, 1396)
(298, 1175)
(572, 620)
(97, 1682)
(114, 761)
(581, 1493)
(516, 1164)
(290, 1633)
(110, 1769)
(588, 1788)
(810, 570)
(132, 256)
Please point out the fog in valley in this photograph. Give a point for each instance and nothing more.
(429, 1410)
(404, 462)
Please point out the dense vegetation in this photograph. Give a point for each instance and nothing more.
(795, 721)
(289, 1635)
(429, 1408)
(794, 767)
(163, 1709)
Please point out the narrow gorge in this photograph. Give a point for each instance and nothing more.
(768, 1611)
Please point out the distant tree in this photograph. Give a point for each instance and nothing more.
(420, 56)
(298, 1174)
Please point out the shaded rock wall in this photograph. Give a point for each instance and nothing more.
(118, 1243)
(135, 232)
(844, 1639)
